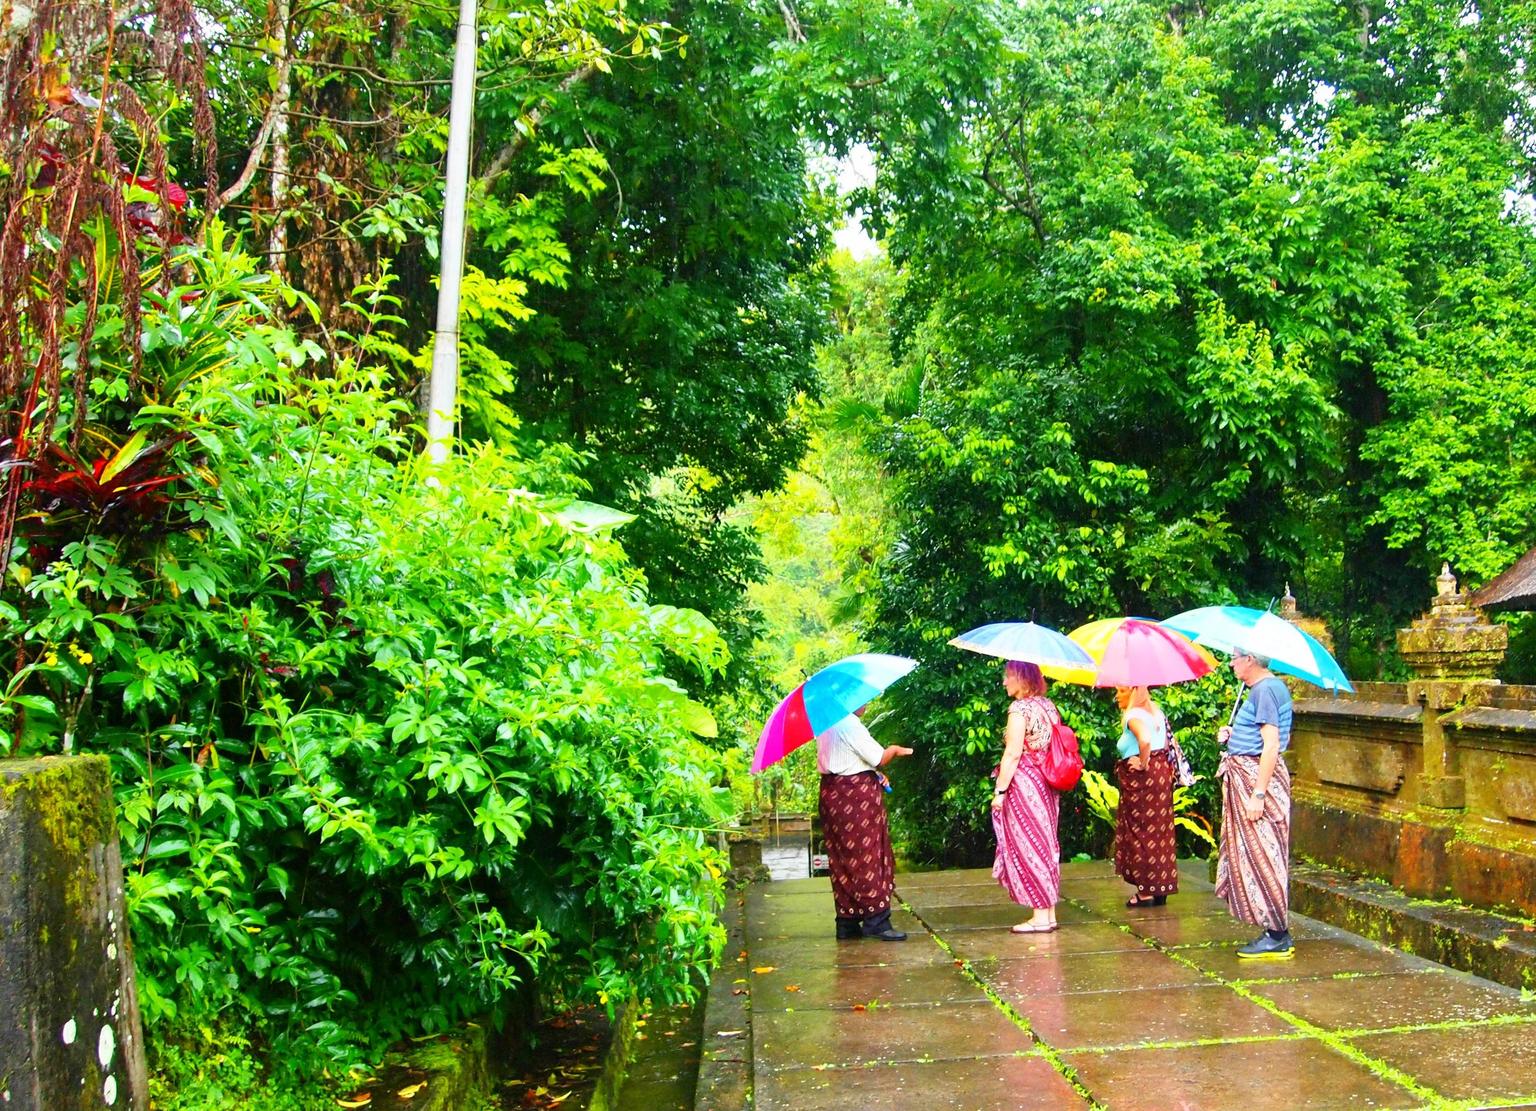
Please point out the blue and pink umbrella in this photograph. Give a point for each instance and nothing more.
(825, 699)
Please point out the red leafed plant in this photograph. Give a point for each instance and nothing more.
(119, 491)
(87, 199)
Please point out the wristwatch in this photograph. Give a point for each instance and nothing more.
(1258, 792)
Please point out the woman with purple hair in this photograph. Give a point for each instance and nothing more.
(1024, 806)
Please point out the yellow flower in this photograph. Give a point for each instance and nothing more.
(51, 659)
(80, 653)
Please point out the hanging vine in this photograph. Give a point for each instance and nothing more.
(88, 196)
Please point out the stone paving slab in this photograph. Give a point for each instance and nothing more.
(845, 1038)
(1178, 929)
(1316, 958)
(811, 923)
(989, 916)
(870, 987)
(825, 955)
(1122, 1007)
(1483, 1063)
(1398, 999)
(1279, 1075)
(1073, 937)
(1110, 973)
(1195, 1012)
(1026, 1082)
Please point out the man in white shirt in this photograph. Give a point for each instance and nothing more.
(853, 825)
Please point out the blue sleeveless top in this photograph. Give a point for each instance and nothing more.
(1129, 746)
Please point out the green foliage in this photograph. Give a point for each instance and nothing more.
(681, 333)
(1103, 799)
(1198, 302)
(200, 1068)
(347, 703)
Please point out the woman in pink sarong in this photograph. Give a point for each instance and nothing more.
(1024, 806)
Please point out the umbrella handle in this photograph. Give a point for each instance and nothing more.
(1237, 704)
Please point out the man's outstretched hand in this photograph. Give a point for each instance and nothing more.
(893, 751)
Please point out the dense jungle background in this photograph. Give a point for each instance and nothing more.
(1154, 305)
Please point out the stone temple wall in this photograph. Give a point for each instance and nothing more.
(1429, 784)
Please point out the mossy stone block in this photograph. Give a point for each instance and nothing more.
(69, 1018)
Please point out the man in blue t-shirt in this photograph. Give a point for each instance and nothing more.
(1253, 872)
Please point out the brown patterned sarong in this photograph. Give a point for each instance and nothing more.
(1145, 853)
(1253, 874)
(858, 844)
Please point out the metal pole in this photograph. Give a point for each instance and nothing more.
(443, 387)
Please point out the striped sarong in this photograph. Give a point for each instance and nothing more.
(1253, 874)
(858, 844)
(1144, 837)
(1028, 863)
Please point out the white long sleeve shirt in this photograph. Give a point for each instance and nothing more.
(847, 748)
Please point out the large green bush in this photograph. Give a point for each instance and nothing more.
(392, 748)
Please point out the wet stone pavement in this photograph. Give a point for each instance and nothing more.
(1121, 1007)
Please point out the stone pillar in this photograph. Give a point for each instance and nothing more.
(1454, 651)
(70, 1037)
(1315, 627)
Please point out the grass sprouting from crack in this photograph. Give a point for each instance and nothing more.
(1332, 1040)
(1050, 1054)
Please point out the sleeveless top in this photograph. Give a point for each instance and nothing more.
(1038, 718)
(1157, 733)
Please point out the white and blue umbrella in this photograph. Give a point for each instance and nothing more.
(1027, 642)
(1242, 629)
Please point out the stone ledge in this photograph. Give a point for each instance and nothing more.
(1477, 941)
(444, 1074)
(1426, 854)
(725, 1045)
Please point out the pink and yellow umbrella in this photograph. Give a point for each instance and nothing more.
(1130, 652)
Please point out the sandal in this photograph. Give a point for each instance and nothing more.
(1031, 928)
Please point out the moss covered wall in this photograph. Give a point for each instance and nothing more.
(69, 1023)
(1429, 785)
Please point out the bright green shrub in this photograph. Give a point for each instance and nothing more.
(391, 751)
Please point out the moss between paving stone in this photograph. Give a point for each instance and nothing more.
(1380, 1069)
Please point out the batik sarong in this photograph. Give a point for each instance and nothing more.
(1144, 838)
(1028, 863)
(858, 844)
(1253, 873)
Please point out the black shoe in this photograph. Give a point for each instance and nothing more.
(878, 926)
(848, 929)
(1159, 900)
(1268, 947)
